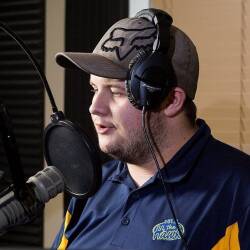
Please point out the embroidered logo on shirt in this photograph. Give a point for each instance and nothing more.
(167, 230)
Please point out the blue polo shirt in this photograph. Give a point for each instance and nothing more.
(208, 183)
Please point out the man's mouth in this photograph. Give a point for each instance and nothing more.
(103, 129)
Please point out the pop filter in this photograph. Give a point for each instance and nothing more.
(68, 148)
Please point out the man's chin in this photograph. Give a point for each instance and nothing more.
(105, 147)
(110, 149)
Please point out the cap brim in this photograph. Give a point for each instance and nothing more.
(92, 64)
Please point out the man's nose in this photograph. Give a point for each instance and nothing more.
(99, 104)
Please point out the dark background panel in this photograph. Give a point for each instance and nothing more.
(22, 92)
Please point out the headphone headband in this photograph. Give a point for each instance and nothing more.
(150, 15)
(162, 21)
(151, 75)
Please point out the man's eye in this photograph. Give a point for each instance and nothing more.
(93, 90)
(114, 93)
(117, 92)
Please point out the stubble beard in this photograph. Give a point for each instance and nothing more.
(134, 149)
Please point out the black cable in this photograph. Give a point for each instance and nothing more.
(6, 29)
(150, 144)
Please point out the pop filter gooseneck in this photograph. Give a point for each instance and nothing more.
(66, 146)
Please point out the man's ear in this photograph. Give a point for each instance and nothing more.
(175, 102)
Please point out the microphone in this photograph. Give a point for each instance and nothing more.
(40, 188)
(66, 145)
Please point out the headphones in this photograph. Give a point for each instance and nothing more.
(151, 75)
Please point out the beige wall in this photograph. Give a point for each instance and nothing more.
(220, 29)
(55, 21)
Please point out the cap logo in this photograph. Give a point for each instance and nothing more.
(124, 45)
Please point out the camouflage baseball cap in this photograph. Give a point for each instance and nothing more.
(120, 45)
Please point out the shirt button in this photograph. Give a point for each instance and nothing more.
(125, 221)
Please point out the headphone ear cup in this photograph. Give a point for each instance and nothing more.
(133, 84)
(130, 95)
(139, 57)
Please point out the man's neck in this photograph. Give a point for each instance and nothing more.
(142, 172)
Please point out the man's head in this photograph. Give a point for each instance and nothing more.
(116, 120)
(120, 45)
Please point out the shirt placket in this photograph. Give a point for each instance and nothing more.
(127, 218)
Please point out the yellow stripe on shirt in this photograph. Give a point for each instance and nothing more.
(230, 241)
(64, 240)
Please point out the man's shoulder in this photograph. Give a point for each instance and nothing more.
(228, 154)
(227, 161)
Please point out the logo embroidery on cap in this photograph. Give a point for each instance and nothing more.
(123, 46)
(167, 230)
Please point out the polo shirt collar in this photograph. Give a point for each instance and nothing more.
(186, 158)
(122, 175)
(181, 163)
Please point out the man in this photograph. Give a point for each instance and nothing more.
(200, 197)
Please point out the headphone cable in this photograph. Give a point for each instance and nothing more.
(148, 140)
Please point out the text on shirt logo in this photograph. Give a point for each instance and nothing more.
(167, 230)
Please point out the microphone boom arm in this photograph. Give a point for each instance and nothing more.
(27, 51)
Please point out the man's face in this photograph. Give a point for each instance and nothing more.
(117, 122)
